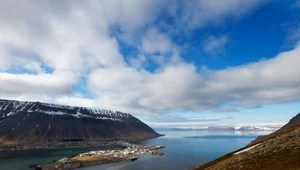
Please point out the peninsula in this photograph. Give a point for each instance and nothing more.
(131, 153)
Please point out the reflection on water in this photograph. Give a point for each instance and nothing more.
(184, 149)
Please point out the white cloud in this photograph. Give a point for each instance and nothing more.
(15, 85)
(215, 45)
(156, 47)
(82, 40)
(74, 39)
(181, 87)
(175, 119)
(137, 62)
(156, 42)
(76, 100)
(200, 13)
(158, 59)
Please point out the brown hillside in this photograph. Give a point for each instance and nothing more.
(277, 151)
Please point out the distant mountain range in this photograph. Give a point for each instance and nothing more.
(36, 122)
(279, 150)
(229, 128)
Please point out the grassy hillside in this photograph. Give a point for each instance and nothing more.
(277, 151)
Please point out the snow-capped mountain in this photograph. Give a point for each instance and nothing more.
(228, 128)
(32, 122)
(246, 128)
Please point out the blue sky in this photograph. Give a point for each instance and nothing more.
(170, 63)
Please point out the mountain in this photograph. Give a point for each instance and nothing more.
(293, 122)
(36, 122)
(245, 128)
(226, 128)
(279, 150)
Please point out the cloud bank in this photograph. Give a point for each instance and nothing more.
(48, 48)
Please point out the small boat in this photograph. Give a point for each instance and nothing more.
(133, 158)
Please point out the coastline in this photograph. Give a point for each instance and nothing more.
(70, 144)
(131, 153)
(61, 145)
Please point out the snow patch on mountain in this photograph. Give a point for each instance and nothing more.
(233, 128)
(13, 107)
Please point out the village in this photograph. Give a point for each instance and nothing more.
(131, 153)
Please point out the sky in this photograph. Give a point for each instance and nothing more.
(170, 63)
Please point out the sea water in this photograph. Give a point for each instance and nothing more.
(184, 149)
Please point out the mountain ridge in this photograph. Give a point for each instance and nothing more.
(226, 128)
(23, 122)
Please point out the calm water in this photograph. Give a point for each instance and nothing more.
(22, 160)
(184, 149)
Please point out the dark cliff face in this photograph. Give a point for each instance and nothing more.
(35, 122)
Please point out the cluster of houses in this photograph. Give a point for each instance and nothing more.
(129, 153)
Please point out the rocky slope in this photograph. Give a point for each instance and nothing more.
(36, 122)
(294, 121)
(279, 150)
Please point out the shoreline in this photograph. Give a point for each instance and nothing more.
(99, 157)
(62, 145)
(70, 144)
